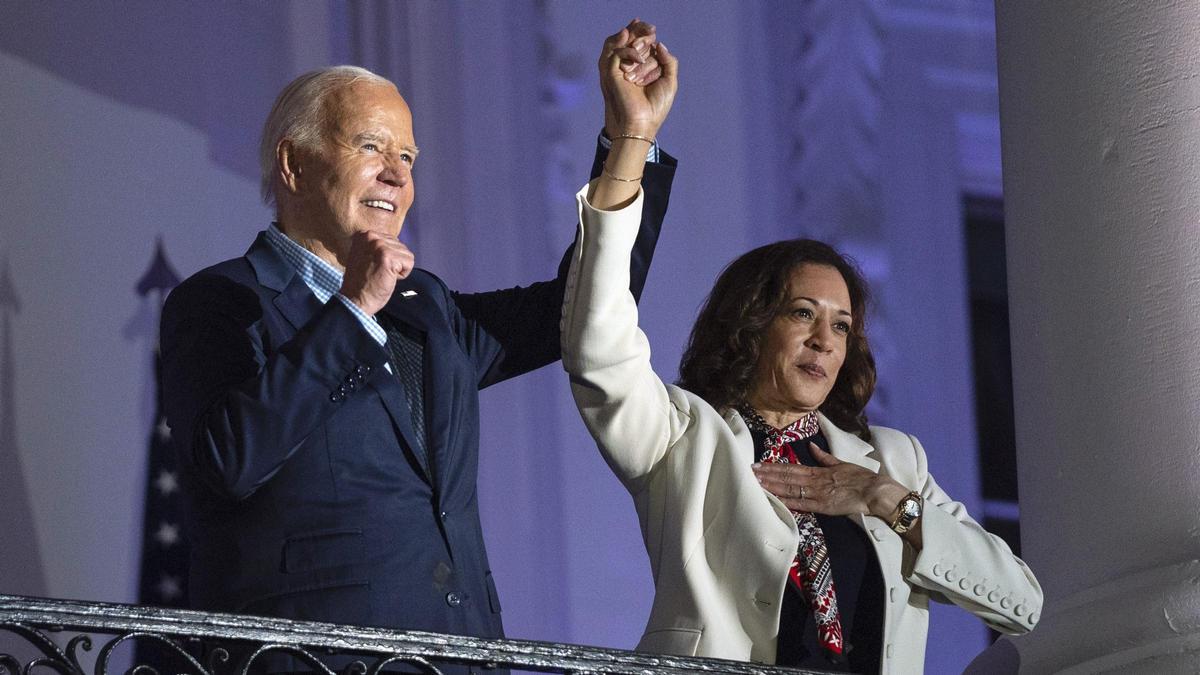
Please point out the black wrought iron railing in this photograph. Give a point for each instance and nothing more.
(72, 638)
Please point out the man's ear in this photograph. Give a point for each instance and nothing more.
(288, 165)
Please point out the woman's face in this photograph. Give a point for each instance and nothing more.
(805, 345)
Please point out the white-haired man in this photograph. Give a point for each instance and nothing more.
(324, 391)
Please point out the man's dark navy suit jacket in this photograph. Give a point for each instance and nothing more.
(306, 496)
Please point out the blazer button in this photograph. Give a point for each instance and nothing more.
(1019, 610)
(1005, 603)
(993, 596)
(892, 594)
(964, 583)
(937, 570)
(1033, 618)
(979, 589)
(453, 599)
(951, 576)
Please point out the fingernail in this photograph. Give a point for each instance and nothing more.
(628, 66)
(631, 77)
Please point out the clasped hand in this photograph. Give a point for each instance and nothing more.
(638, 80)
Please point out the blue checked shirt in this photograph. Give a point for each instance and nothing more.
(321, 278)
(651, 154)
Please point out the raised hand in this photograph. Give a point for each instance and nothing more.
(376, 261)
(638, 77)
(638, 60)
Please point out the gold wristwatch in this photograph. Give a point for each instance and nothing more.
(907, 513)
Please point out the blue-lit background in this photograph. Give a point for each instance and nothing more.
(866, 123)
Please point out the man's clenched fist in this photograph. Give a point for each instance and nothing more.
(376, 261)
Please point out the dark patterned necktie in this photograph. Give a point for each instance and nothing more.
(406, 356)
(810, 571)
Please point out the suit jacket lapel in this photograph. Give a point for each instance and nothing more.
(850, 448)
(741, 434)
(297, 304)
(401, 308)
(270, 268)
(846, 446)
(390, 392)
(295, 301)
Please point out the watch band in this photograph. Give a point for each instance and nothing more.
(907, 513)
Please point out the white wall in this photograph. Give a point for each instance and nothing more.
(79, 226)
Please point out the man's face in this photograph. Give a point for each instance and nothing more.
(360, 176)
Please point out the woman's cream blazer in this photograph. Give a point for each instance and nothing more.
(719, 544)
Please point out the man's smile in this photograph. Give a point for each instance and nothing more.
(380, 204)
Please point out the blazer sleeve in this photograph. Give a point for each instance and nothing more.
(625, 406)
(237, 409)
(962, 563)
(512, 331)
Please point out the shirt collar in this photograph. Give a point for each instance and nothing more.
(804, 427)
(323, 279)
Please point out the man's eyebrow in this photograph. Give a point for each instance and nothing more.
(376, 136)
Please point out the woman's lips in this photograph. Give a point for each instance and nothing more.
(813, 369)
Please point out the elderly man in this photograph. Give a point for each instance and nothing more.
(324, 391)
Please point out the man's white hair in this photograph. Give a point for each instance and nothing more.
(299, 115)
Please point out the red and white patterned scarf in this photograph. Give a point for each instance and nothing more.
(810, 570)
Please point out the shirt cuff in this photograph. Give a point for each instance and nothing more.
(651, 154)
(368, 322)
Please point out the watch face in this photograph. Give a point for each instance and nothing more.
(912, 508)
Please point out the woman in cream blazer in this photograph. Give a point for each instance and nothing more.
(720, 544)
(721, 534)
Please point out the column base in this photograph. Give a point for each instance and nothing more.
(1145, 622)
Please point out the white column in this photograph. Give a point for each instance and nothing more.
(1100, 113)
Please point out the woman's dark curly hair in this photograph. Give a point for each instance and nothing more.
(723, 349)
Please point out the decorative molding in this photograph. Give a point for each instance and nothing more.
(828, 68)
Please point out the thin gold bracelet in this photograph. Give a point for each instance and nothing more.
(635, 137)
(604, 167)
